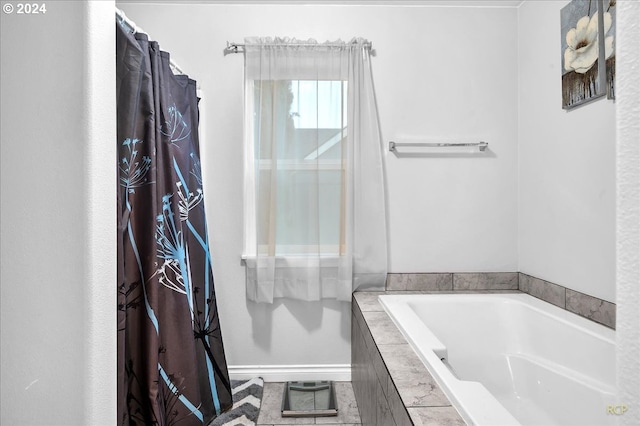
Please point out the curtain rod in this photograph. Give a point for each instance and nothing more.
(239, 47)
(137, 29)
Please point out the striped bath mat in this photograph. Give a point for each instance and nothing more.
(247, 395)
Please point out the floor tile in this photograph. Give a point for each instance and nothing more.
(347, 407)
(270, 410)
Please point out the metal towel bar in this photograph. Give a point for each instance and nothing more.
(393, 145)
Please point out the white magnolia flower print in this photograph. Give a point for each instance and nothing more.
(582, 43)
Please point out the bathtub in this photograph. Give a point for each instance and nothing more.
(511, 359)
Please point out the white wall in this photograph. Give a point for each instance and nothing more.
(628, 212)
(439, 72)
(450, 74)
(566, 206)
(58, 216)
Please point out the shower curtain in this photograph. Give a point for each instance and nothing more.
(171, 362)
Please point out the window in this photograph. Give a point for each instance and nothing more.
(299, 131)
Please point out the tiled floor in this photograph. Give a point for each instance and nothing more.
(272, 403)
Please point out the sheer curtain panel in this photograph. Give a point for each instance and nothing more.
(315, 220)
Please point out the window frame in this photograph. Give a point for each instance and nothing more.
(296, 256)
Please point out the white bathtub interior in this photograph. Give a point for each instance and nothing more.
(510, 358)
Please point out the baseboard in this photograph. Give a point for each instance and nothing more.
(290, 373)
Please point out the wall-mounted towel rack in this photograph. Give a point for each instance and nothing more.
(393, 145)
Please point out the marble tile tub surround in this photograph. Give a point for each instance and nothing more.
(598, 310)
(391, 384)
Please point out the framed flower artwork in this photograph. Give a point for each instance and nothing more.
(610, 56)
(588, 59)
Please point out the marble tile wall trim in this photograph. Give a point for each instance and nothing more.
(598, 310)
(432, 282)
(593, 308)
(453, 281)
(547, 291)
(486, 281)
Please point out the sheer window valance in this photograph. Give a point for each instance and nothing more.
(315, 222)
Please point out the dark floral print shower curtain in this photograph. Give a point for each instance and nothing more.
(171, 362)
